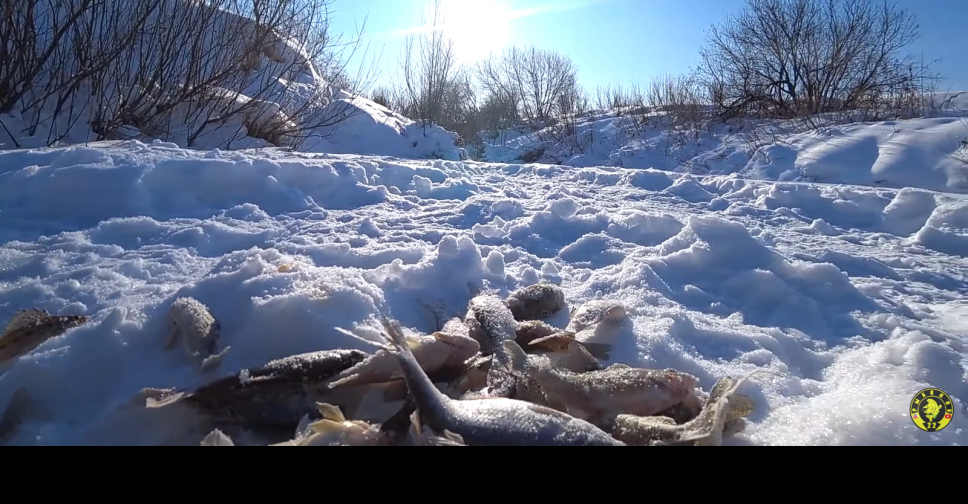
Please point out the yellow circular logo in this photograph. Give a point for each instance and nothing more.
(932, 410)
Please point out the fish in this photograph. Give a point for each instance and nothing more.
(30, 328)
(599, 396)
(199, 330)
(490, 422)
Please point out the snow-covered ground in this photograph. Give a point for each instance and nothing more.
(928, 153)
(853, 298)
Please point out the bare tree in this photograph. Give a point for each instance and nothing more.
(429, 67)
(535, 79)
(793, 58)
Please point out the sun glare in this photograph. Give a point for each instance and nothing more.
(477, 27)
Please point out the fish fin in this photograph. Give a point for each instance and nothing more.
(544, 339)
(519, 359)
(364, 340)
(394, 335)
(302, 427)
(414, 343)
(598, 350)
(326, 426)
(330, 412)
(161, 402)
(342, 382)
(441, 336)
(213, 361)
(217, 438)
(416, 423)
(578, 350)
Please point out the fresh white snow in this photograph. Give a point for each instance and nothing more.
(929, 153)
(852, 298)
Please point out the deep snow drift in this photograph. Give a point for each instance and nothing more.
(928, 153)
(851, 298)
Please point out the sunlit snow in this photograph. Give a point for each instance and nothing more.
(852, 298)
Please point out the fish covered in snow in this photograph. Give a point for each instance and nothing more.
(28, 329)
(273, 398)
(721, 417)
(536, 302)
(490, 422)
(435, 354)
(199, 330)
(600, 396)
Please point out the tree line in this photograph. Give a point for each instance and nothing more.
(773, 59)
(181, 70)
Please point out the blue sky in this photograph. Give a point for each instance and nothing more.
(616, 41)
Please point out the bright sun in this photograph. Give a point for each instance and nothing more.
(476, 26)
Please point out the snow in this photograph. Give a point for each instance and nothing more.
(850, 297)
(927, 153)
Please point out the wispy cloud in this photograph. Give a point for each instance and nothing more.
(511, 14)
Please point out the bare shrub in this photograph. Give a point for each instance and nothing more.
(182, 83)
(50, 51)
(565, 134)
(534, 79)
(963, 148)
(796, 58)
(382, 96)
(429, 68)
(172, 69)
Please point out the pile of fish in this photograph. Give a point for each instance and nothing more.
(498, 376)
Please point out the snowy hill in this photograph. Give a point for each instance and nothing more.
(852, 298)
(926, 153)
(198, 76)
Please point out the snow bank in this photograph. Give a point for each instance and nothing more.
(373, 129)
(278, 99)
(850, 298)
(922, 153)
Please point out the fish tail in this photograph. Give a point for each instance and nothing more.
(517, 358)
(430, 401)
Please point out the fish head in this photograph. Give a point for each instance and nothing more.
(614, 312)
(594, 312)
(463, 347)
(677, 382)
(74, 320)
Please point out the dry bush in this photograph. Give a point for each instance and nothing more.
(798, 58)
(963, 149)
(178, 70)
(50, 51)
(564, 134)
(429, 68)
(535, 79)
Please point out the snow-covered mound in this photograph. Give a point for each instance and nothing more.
(373, 129)
(231, 96)
(929, 153)
(852, 299)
